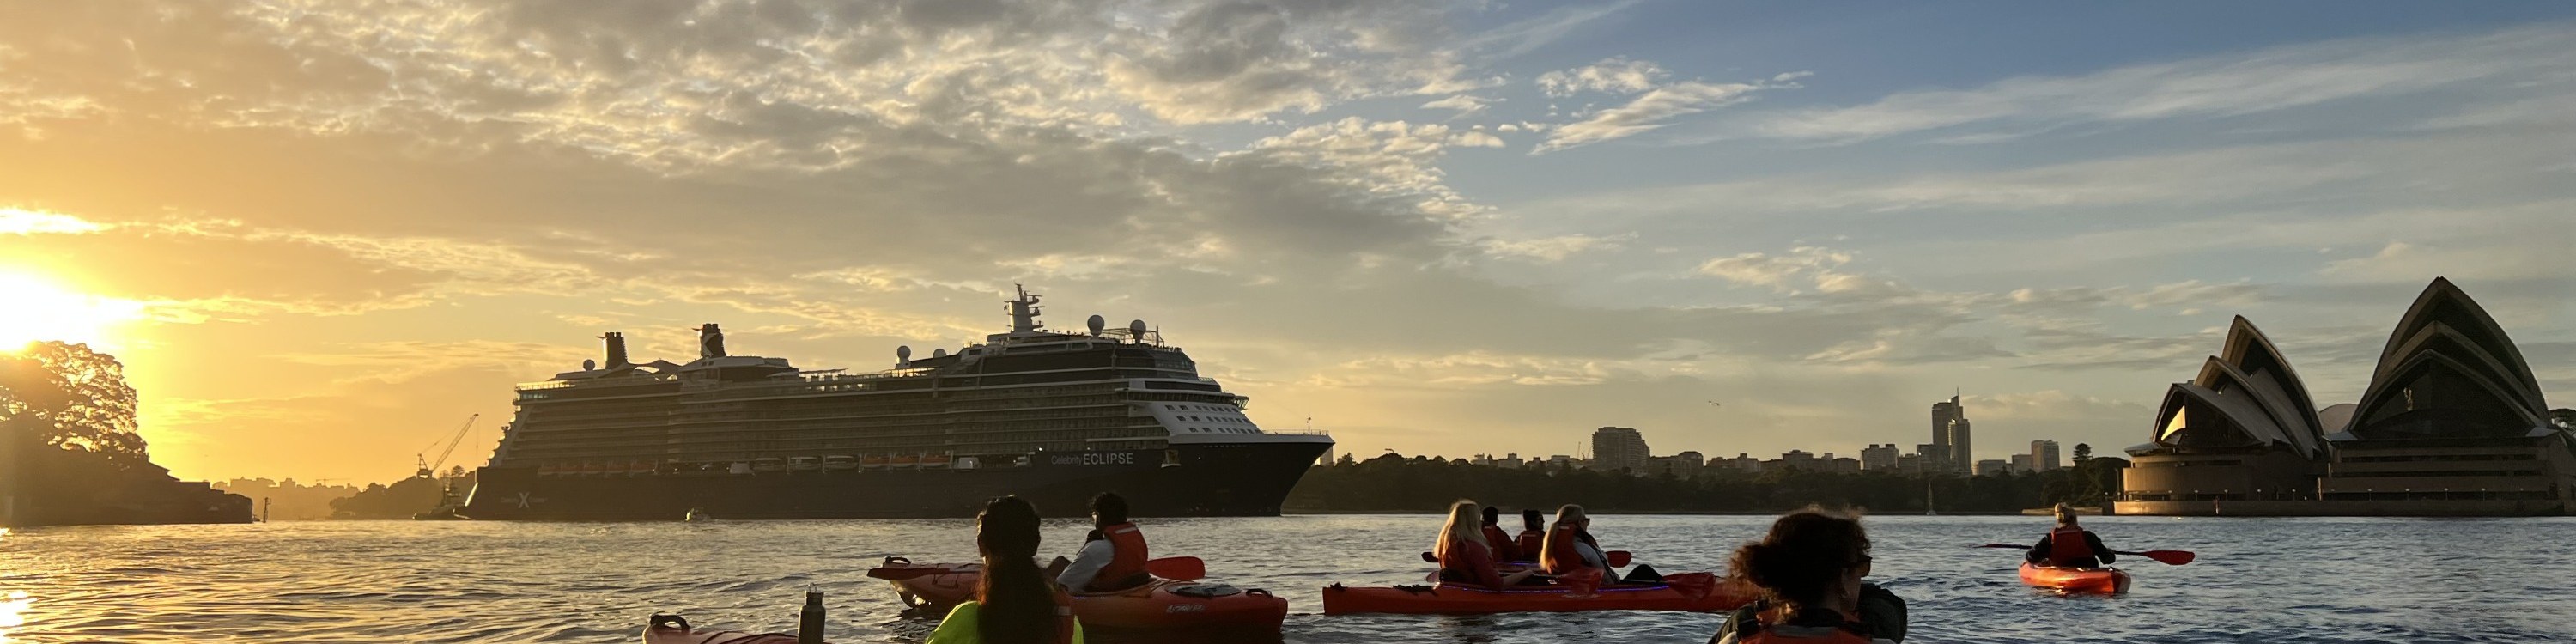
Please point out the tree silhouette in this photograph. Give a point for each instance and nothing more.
(71, 398)
(2083, 452)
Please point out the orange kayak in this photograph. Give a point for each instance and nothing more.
(1159, 604)
(1689, 592)
(670, 629)
(2095, 581)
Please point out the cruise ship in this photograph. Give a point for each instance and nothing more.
(1053, 417)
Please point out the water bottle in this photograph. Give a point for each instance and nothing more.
(809, 622)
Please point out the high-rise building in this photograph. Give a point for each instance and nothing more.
(1959, 450)
(1950, 435)
(2043, 455)
(2022, 463)
(1618, 447)
(1878, 457)
(1992, 467)
(1909, 463)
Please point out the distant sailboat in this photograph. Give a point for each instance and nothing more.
(1927, 499)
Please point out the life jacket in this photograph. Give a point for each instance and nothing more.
(2067, 545)
(1501, 544)
(1560, 556)
(1755, 631)
(1065, 626)
(1455, 565)
(1530, 541)
(1126, 557)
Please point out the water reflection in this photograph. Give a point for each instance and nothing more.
(11, 611)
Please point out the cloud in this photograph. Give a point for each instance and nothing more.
(16, 221)
(1462, 103)
(1553, 249)
(1529, 34)
(1611, 75)
(2235, 84)
(1800, 268)
(1648, 112)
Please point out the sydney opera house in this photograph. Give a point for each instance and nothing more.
(2452, 423)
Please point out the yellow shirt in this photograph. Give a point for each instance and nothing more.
(959, 627)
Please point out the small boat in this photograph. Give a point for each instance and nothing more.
(2088, 581)
(934, 460)
(840, 463)
(1159, 604)
(873, 461)
(697, 515)
(907, 460)
(1697, 592)
(672, 629)
(804, 464)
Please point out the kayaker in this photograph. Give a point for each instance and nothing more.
(1569, 549)
(1533, 535)
(1013, 603)
(2069, 546)
(1116, 561)
(1465, 557)
(1809, 569)
(1496, 541)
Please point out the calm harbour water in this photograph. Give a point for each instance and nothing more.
(2258, 580)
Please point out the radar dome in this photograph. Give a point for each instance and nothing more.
(938, 353)
(1096, 324)
(589, 365)
(1136, 328)
(903, 352)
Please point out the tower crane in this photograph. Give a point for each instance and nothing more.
(430, 470)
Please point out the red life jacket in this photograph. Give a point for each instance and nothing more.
(1456, 561)
(2067, 544)
(1127, 554)
(1502, 544)
(1530, 542)
(1065, 627)
(1560, 556)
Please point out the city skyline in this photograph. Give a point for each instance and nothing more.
(320, 236)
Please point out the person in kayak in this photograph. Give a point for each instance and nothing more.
(1809, 569)
(1569, 549)
(1533, 535)
(1013, 604)
(1116, 561)
(2069, 546)
(1465, 556)
(1496, 541)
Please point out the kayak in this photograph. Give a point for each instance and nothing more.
(1690, 592)
(2097, 581)
(1159, 604)
(671, 629)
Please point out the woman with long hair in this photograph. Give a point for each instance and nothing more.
(1569, 551)
(1016, 604)
(1809, 569)
(1465, 556)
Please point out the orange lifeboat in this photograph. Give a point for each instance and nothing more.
(873, 461)
(935, 460)
(1159, 604)
(907, 460)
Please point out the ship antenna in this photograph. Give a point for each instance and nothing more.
(1024, 311)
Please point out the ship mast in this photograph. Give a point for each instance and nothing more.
(1024, 311)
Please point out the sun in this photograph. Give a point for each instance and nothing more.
(34, 308)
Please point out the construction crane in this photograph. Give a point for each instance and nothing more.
(430, 470)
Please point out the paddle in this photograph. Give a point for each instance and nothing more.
(1618, 558)
(1177, 568)
(2168, 557)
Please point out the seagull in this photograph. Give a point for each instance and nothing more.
(1713, 403)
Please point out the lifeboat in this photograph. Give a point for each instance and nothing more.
(873, 461)
(548, 469)
(1159, 604)
(934, 460)
(1697, 592)
(2087, 581)
(840, 463)
(907, 460)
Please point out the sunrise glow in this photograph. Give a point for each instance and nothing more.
(41, 309)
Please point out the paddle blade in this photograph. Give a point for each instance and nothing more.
(2168, 557)
(2015, 546)
(900, 574)
(1178, 568)
(1618, 558)
(1427, 557)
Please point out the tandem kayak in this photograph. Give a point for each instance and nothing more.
(2093, 581)
(671, 629)
(1159, 604)
(1690, 592)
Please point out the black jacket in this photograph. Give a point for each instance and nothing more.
(1882, 614)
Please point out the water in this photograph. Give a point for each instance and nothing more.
(2257, 580)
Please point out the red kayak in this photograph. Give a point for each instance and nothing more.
(2091, 581)
(1698, 592)
(1159, 604)
(670, 629)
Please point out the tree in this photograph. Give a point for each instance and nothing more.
(2083, 452)
(1346, 460)
(75, 398)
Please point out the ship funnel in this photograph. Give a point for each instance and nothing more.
(616, 349)
(710, 341)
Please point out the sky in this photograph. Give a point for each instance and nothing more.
(321, 234)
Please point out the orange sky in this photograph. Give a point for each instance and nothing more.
(321, 235)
